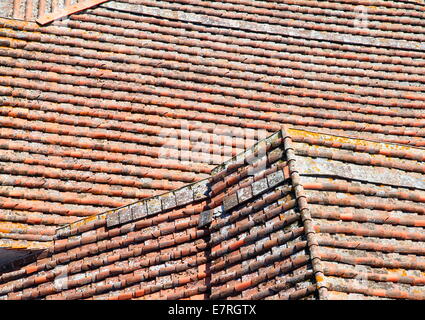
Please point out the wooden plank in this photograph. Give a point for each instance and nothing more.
(47, 18)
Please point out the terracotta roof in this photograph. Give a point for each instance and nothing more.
(91, 103)
(300, 215)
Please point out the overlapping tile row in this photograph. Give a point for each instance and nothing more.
(306, 18)
(150, 249)
(91, 104)
(237, 234)
(367, 203)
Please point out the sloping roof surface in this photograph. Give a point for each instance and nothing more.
(366, 201)
(90, 103)
(253, 248)
(301, 215)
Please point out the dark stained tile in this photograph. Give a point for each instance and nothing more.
(153, 205)
(230, 201)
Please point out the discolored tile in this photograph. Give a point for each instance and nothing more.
(200, 190)
(153, 205)
(244, 194)
(259, 186)
(275, 178)
(184, 196)
(139, 210)
(230, 201)
(168, 201)
(125, 215)
(112, 219)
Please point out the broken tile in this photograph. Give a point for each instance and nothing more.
(218, 211)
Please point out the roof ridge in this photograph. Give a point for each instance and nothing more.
(112, 216)
(212, 18)
(353, 138)
(200, 190)
(63, 231)
(284, 133)
(306, 218)
(216, 192)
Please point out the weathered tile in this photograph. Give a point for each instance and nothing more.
(125, 215)
(259, 186)
(200, 189)
(112, 219)
(62, 232)
(139, 210)
(168, 201)
(184, 196)
(275, 178)
(272, 139)
(230, 201)
(275, 155)
(244, 194)
(261, 148)
(154, 205)
(205, 218)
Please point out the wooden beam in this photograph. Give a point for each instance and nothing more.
(75, 8)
